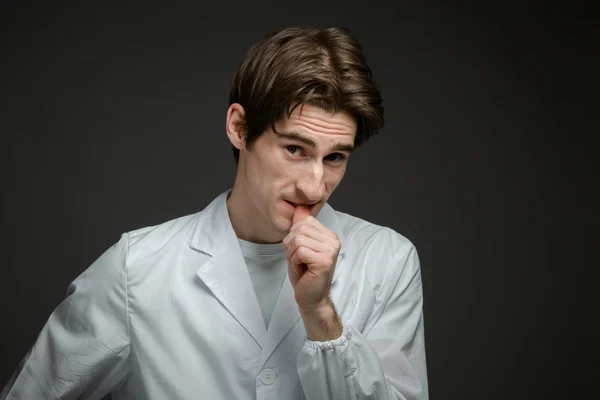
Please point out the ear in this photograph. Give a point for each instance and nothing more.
(236, 125)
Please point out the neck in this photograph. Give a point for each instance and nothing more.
(247, 221)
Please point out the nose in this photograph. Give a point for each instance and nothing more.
(311, 184)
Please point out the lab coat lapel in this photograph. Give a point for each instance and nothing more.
(225, 272)
(286, 313)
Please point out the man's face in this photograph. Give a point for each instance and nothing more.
(302, 164)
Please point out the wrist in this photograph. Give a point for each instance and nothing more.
(322, 323)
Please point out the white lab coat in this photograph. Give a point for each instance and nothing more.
(169, 312)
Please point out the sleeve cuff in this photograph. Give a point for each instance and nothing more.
(330, 344)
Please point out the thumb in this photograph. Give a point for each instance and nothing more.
(299, 214)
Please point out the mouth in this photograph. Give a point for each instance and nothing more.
(294, 205)
(291, 204)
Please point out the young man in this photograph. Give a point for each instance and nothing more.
(267, 293)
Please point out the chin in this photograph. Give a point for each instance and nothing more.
(284, 216)
(280, 228)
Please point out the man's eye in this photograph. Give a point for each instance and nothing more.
(292, 149)
(336, 157)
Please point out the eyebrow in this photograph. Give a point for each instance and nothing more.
(348, 148)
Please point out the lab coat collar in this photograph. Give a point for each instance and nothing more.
(213, 228)
(224, 271)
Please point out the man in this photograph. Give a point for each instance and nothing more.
(267, 293)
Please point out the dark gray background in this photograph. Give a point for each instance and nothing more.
(113, 119)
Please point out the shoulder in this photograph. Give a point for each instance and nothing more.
(383, 252)
(363, 234)
(133, 255)
(148, 241)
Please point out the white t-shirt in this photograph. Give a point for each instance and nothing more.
(267, 267)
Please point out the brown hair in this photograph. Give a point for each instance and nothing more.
(294, 66)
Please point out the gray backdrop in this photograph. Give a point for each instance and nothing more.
(113, 119)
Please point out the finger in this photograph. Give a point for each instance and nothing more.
(295, 271)
(300, 241)
(299, 213)
(324, 237)
(313, 222)
(304, 256)
(315, 245)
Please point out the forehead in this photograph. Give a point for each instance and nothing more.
(314, 121)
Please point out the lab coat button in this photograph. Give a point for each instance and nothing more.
(267, 376)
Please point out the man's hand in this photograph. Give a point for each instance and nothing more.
(312, 251)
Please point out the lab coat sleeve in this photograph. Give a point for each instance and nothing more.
(384, 361)
(82, 350)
